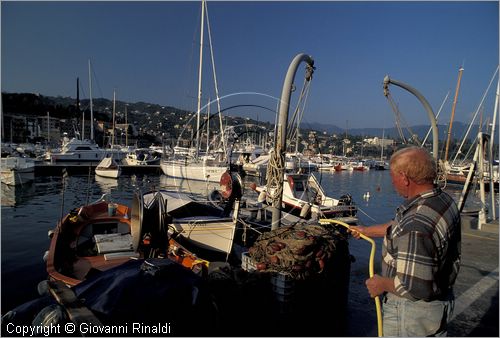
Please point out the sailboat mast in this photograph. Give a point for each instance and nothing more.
(126, 127)
(460, 71)
(113, 127)
(199, 79)
(382, 144)
(78, 106)
(208, 125)
(91, 108)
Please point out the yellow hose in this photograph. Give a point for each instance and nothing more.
(372, 258)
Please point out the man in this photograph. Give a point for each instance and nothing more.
(421, 250)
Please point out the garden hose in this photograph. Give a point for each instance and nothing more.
(372, 258)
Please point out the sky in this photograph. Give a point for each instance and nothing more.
(149, 52)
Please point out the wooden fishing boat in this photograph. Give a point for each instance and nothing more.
(99, 236)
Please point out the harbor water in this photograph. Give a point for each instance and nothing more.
(30, 211)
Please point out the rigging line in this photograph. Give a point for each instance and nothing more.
(396, 117)
(373, 219)
(96, 80)
(437, 115)
(299, 111)
(475, 114)
(215, 81)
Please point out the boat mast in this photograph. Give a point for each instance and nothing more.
(78, 106)
(382, 146)
(113, 126)
(48, 128)
(208, 126)
(202, 27)
(126, 127)
(91, 108)
(460, 71)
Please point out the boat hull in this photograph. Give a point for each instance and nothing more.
(199, 172)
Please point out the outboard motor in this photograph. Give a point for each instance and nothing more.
(345, 199)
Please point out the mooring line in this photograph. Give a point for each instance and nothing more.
(373, 219)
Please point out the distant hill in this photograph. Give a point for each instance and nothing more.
(458, 131)
(64, 107)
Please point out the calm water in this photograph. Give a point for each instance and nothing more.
(27, 213)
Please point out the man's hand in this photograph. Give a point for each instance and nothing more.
(377, 285)
(355, 230)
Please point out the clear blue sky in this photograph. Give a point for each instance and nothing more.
(148, 51)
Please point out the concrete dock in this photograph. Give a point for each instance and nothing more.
(476, 289)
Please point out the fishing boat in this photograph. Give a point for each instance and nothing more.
(201, 223)
(303, 196)
(102, 235)
(17, 170)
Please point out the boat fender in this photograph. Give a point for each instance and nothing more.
(46, 256)
(43, 288)
(50, 233)
(305, 210)
(52, 315)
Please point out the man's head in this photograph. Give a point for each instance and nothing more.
(411, 168)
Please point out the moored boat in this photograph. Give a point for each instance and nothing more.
(17, 170)
(108, 167)
(304, 196)
(99, 236)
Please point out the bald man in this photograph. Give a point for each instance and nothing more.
(420, 253)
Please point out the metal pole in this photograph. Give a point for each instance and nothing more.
(427, 107)
(280, 139)
(202, 27)
(494, 122)
(460, 71)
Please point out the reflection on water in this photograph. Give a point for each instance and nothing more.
(29, 212)
(13, 195)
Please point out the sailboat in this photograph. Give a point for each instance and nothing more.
(203, 168)
(381, 165)
(110, 165)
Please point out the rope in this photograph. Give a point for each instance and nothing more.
(367, 215)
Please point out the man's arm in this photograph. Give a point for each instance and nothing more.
(377, 230)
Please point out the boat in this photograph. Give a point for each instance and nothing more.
(196, 167)
(77, 150)
(102, 235)
(142, 156)
(17, 170)
(201, 169)
(108, 167)
(304, 196)
(201, 223)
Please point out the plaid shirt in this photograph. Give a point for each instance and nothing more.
(421, 248)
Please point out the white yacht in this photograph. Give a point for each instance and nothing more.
(81, 151)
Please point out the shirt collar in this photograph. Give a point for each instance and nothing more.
(409, 203)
